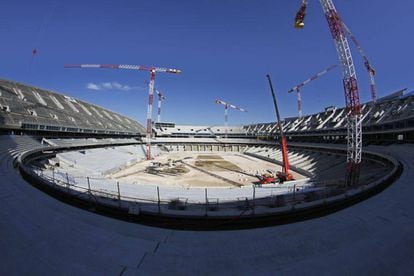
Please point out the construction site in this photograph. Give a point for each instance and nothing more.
(89, 190)
(195, 170)
(147, 167)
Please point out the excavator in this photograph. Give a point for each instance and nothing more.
(284, 175)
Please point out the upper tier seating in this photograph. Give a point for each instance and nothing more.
(389, 110)
(27, 107)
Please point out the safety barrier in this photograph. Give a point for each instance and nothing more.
(263, 206)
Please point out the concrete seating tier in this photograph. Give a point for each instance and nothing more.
(27, 107)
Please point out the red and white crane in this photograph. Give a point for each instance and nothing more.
(299, 86)
(369, 68)
(352, 100)
(226, 111)
(161, 97)
(153, 71)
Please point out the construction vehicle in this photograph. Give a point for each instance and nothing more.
(284, 175)
(269, 178)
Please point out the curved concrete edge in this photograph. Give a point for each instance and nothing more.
(249, 217)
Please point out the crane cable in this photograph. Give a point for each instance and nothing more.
(39, 34)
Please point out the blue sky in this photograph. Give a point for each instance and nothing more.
(224, 48)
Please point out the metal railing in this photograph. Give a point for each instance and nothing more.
(256, 200)
(297, 201)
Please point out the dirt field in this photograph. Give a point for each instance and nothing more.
(215, 163)
(202, 170)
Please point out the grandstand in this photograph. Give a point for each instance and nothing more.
(37, 110)
(391, 119)
(172, 130)
(321, 165)
(63, 145)
(52, 117)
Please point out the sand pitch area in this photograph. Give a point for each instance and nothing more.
(215, 163)
(227, 170)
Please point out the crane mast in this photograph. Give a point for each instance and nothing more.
(161, 97)
(299, 86)
(354, 122)
(368, 66)
(149, 113)
(352, 101)
(153, 71)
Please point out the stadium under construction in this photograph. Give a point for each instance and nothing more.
(94, 160)
(86, 190)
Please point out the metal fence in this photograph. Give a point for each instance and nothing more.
(255, 199)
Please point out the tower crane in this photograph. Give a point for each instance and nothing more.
(160, 97)
(153, 71)
(369, 68)
(226, 112)
(352, 100)
(299, 86)
(299, 23)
